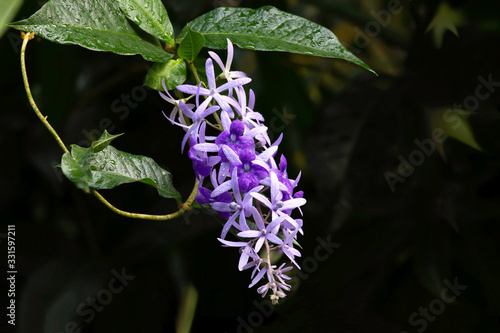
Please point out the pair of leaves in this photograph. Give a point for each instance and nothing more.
(103, 25)
(102, 166)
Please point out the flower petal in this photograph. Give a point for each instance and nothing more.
(232, 244)
(262, 199)
(226, 186)
(258, 277)
(209, 69)
(249, 234)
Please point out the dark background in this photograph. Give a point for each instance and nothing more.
(345, 129)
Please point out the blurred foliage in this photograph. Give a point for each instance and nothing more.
(343, 126)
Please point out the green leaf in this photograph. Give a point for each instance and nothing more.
(151, 16)
(191, 45)
(268, 29)
(103, 141)
(173, 71)
(111, 167)
(8, 9)
(98, 25)
(455, 123)
(446, 18)
(78, 174)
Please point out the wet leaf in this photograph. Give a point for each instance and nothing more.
(268, 29)
(191, 45)
(173, 71)
(151, 16)
(98, 25)
(109, 167)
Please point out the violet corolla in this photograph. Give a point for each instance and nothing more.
(238, 175)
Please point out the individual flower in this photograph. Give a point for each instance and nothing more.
(287, 246)
(240, 207)
(277, 205)
(197, 117)
(249, 171)
(226, 72)
(264, 233)
(234, 139)
(213, 91)
(280, 273)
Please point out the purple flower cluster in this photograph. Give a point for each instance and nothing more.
(244, 184)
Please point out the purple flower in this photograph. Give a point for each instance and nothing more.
(240, 207)
(249, 170)
(234, 139)
(202, 163)
(197, 117)
(279, 273)
(213, 91)
(203, 197)
(229, 75)
(264, 232)
(242, 152)
(277, 205)
(287, 246)
(247, 252)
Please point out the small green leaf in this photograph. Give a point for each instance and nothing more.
(98, 25)
(446, 18)
(8, 9)
(455, 124)
(151, 16)
(191, 45)
(173, 71)
(110, 167)
(103, 141)
(268, 29)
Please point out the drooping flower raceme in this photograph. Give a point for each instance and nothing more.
(238, 175)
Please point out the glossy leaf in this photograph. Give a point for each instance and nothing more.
(268, 29)
(191, 44)
(78, 174)
(8, 9)
(151, 16)
(110, 167)
(98, 25)
(173, 71)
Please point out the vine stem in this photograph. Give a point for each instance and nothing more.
(183, 207)
(26, 38)
(195, 71)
